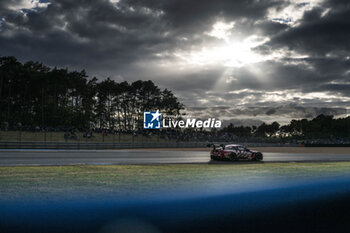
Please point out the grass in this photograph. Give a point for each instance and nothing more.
(86, 180)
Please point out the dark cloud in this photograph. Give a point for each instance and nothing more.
(305, 74)
(106, 35)
(322, 30)
(256, 115)
(83, 33)
(143, 39)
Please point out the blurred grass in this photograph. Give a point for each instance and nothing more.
(24, 136)
(114, 180)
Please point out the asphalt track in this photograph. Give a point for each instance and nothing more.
(106, 157)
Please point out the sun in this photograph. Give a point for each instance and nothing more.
(230, 55)
(229, 51)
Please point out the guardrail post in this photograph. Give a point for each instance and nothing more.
(20, 135)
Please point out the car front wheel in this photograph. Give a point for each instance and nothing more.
(258, 157)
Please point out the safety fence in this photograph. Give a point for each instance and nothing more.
(135, 145)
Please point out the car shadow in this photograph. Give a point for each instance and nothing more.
(234, 162)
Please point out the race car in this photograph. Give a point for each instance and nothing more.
(234, 152)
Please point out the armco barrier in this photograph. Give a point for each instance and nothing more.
(128, 145)
(327, 145)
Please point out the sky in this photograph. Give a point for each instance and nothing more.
(243, 61)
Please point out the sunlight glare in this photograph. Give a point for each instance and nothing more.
(231, 54)
(228, 51)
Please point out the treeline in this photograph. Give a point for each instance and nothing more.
(32, 94)
(320, 127)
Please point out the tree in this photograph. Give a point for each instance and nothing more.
(267, 129)
(37, 95)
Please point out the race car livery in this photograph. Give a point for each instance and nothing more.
(234, 152)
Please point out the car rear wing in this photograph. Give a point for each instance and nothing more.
(215, 146)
